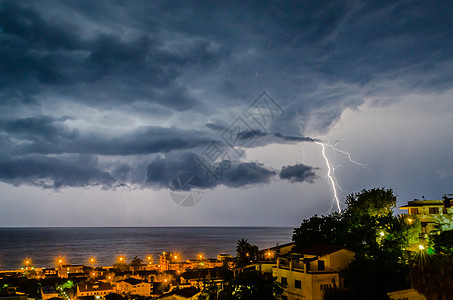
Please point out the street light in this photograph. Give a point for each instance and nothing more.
(92, 261)
(60, 261)
(27, 262)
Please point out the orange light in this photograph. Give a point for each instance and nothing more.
(165, 280)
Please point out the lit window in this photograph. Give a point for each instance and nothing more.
(413, 211)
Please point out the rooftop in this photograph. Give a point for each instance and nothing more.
(320, 250)
(420, 203)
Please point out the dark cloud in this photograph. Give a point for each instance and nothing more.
(161, 171)
(298, 173)
(154, 60)
(52, 172)
(260, 138)
(47, 135)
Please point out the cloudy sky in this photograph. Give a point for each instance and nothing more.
(108, 108)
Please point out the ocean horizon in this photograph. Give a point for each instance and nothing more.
(43, 245)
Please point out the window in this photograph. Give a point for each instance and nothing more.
(297, 284)
(324, 287)
(284, 281)
(321, 265)
(284, 298)
(413, 211)
(434, 210)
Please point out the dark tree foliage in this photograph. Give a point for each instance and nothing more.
(249, 285)
(325, 230)
(432, 275)
(442, 242)
(136, 263)
(245, 253)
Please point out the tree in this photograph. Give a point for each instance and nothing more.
(136, 263)
(245, 253)
(324, 230)
(249, 285)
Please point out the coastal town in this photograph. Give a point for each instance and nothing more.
(297, 272)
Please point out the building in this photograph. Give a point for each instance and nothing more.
(207, 263)
(410, 294)
(66, 271)
(48, 292)
(428, 212)
(97, 289)
(224, 257)
(273, 252)
(309, 273)
(134, 286)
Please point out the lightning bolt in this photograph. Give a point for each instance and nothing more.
(348, 155)
(330, 171)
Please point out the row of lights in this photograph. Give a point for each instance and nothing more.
(92, 260)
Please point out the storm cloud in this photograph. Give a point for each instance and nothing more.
(120, 93)
(298, 173)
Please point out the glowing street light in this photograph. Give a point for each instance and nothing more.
(421, 247)
(60, 261)
(121, 259)
(27, 262)
(92, 261)
(381, 233)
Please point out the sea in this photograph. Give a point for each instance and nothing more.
(76, 245)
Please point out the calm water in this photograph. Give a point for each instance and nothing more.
(76, 245)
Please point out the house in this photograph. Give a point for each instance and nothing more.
(66, 271)
(309, 273)
(428, 211)
(96, 289)
(272, 252)
(134, 286)
(50, 273)
(410, 294)
(48, 292)
(200, 277)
